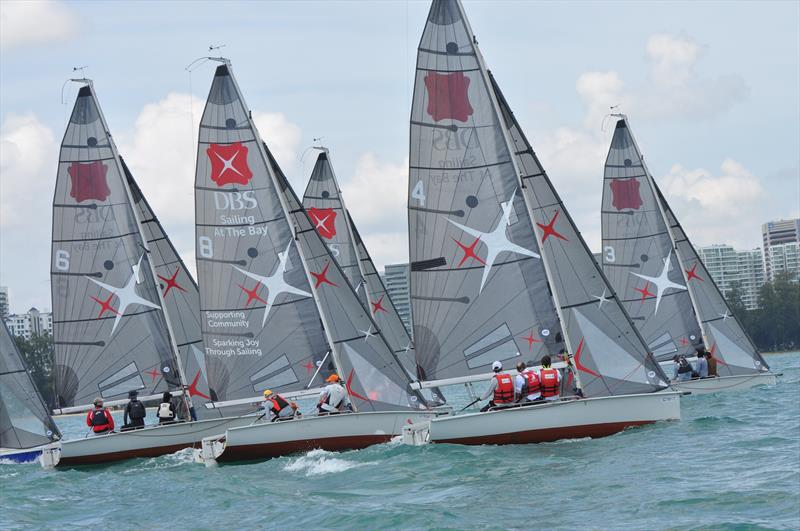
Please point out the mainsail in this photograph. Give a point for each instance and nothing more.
(181, 298)
(24, 419)
(465, 140)
(478, 287)
(110, 333)
(325, 206)
(724, 335)
(638, 256)
(261, 328)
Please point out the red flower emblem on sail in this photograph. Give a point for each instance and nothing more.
(324, 220)
(447, 96)
(626, 194)
(88, 181)
(229, 164)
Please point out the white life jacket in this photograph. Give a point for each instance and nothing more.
(164, 411)
(335, 395)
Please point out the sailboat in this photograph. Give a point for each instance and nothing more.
(324, 203)
(25, 422)
(666, 289)
(277, 309)
(125, 310)
(498, 269)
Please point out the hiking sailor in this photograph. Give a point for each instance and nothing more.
(501, 389)
(549, 380)
(333, 398)
(526, 384)
(701, 365)
(135, 410)
(99, 418)
(683, 369)
(276, 407)
(166, 409)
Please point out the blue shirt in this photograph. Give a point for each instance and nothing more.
(701, 367)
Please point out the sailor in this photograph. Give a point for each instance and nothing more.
(701, 365)
(166, 409)
(135, 410)
(712, 365)
(333, 398)
(276, 407)
(549, 380)
(99, 418)
(526, 384)
(501, 389)
(683, 369)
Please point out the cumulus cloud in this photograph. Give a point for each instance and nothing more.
(35, 22)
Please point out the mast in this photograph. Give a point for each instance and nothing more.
(176, 356)
(518, 173)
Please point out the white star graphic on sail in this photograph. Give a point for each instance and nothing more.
(725, 316)
(367, 333)
(127, 294)
(321, 223)
(662, 281)
(496, 241)
(228, 163)
(275, 283)
(602, 298)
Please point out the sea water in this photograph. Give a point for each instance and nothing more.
(733, 462)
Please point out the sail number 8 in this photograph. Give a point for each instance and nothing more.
(204, 246)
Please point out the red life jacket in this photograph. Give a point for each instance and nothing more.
(278, 403)
(99, 420)
(531, 383)
(548, 379)
(504, 392)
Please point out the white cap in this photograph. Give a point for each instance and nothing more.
(497, 366)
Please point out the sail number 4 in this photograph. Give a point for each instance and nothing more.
(418, 193)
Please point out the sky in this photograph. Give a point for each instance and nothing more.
(711, 89)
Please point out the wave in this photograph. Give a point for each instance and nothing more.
(320, 462)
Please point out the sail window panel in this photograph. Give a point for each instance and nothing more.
(275, 375)
(374, 389)
(663, 346)
(124, 380)
(497, 345)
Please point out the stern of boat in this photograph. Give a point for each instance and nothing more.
(211, 448)
(51, 455)
(417, 434)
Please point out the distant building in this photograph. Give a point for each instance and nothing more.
(729, 267)
(29, 324)
(783, 257)
(4, 303)
(396, 279)
(778, 233)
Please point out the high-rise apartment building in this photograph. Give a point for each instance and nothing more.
(4, 311)
(32, 323)
(780, 233)
(783, 257)
(396, 279)
(729, 267)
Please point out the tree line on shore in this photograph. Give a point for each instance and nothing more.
(774, 326)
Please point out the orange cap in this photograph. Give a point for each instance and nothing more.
(332, 378)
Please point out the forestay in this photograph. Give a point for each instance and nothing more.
(724, 335)
(181, 298)
(325, 206)
(261, 328)
(478, 287)
(109, 330)
(638, 256)
(608, 350)
(374, 377)
(24, 419)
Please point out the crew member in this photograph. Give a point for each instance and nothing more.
(549, 380)
(99, 418)
(166, 409)
(683, 369)
(712, 365)
(701, 365)
(135, 410)
(526, 384)
(276, 407)
(501, 389)
(333, 398)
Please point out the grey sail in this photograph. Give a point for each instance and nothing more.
(608, 350)
(261, 329)
(24, 419)
(110, 333)
(724, 335)
(373, 376)
(383, 310)
(478, 286)
(638, 256)
(181, 299)
(324, 204)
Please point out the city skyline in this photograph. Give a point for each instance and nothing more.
(692, 79)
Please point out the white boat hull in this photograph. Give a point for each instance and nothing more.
(725, 383)
(151, 441)
(266, 440)
(569, 419)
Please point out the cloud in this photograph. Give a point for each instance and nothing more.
(281, 135)
(35, 22)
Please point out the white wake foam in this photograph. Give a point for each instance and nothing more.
(319, 462)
